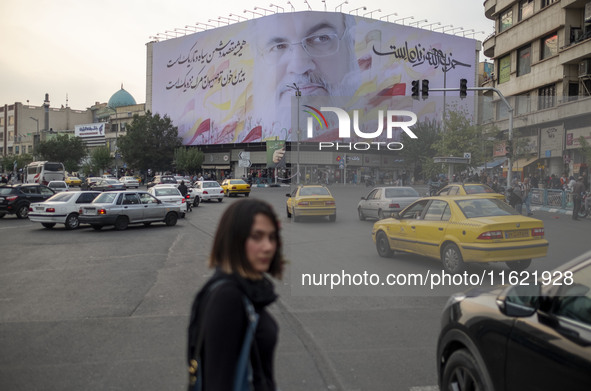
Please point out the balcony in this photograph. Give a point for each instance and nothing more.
(490, 8)
(488, 46)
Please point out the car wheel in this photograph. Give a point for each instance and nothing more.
(225, 193)
(147, 224)
(2, 215)
(171, 219)
(121, 223)
(452, 260)
(519, 266)
(295, 218)
(381, 215)
(361, 215)
(247, 194)
(48, 225)
(72, 221)
(96, 227)
(383, 246)
(287, 211)
(220, 199)
(196, 202)
(332, 218)
(462, 373)
(22, 211)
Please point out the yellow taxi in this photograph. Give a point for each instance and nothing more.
(311, 200)
(73, 181)
(235, 186)
(462, 229)
(469, 189)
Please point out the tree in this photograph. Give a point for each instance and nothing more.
(188, 160)
(100, 158)
(460, 136)
(419, 152)
(65, 149)
(150, 142)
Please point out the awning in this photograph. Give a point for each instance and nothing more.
(495, 163)
(214, 167)
(520, 164)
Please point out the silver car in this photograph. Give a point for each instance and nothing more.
(121, 208)
(381, 202)
(208, 191)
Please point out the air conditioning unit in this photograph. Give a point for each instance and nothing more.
(585, 67)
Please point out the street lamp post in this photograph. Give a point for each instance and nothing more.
(298, 95)
(36, 138)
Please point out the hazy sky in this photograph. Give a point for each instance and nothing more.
(86, 49)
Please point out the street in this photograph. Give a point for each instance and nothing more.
(108, 310)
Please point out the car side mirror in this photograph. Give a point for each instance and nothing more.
(520, 300)
(396, 215)
(288, 195)
(363, 198)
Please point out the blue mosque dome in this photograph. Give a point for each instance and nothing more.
(121, 98)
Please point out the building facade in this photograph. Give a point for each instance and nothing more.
(542, 64)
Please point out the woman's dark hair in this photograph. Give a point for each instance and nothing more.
(228, 251)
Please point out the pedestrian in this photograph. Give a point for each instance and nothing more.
(526, 187)
(516, 196)
(247, 247)
(184, 191)
(578, 190)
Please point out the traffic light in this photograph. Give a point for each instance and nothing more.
(509, 148)
(415, 89)
(463, 88)
(425, 89)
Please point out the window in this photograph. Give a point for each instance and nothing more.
(546, 3)
(435, 211)
(504, 69)
(524, 61)
(546, 97)
(549, 46)
(526, 9)
(502, 110)
(522, 104)
(506, 20)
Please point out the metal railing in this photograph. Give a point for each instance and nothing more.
(551, 198)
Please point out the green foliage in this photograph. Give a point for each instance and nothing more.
(419, 152)
(150, 142)
(62, 148)
(585, 149)
(188, 160)
(100, 158)
(7, 162)
(460, 136)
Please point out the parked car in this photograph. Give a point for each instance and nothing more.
(161, 179)
(381, 202)
(107, 185)
(61, 208)
(207, 191)
(520, 337)
(169, 194)
(462, 229)
(121, 208)
(15, 199)
(89, 182)
(470, 189)
(58, 186)
(73, 181)
(235, 186)
(311, 200)
(129, 182)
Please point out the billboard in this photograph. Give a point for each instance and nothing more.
(237, 83)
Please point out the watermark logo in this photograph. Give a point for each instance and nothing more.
(393, 121)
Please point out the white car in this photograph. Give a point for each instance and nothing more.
(169, 194)
(58, 186)
(207, 191)
(129, 181)
(61, 208)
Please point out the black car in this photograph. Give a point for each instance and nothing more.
(520, 337)
(15, 199)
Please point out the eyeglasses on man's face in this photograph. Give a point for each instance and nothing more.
(316, 45)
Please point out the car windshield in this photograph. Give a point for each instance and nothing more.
(5, 190)
(393, 192)
(112, 181)
(61, 197)
(485, 207)
(167, 191)
(477, 189)
(237, 182)
(57, 185)
(105, 198)
(210, 184)
(306, 191)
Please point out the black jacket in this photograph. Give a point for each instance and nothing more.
(225, 326)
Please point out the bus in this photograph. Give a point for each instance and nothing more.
(44, 172)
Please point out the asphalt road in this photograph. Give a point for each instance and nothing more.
(108, 310)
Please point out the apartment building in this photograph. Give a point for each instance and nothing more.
(542, 60)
